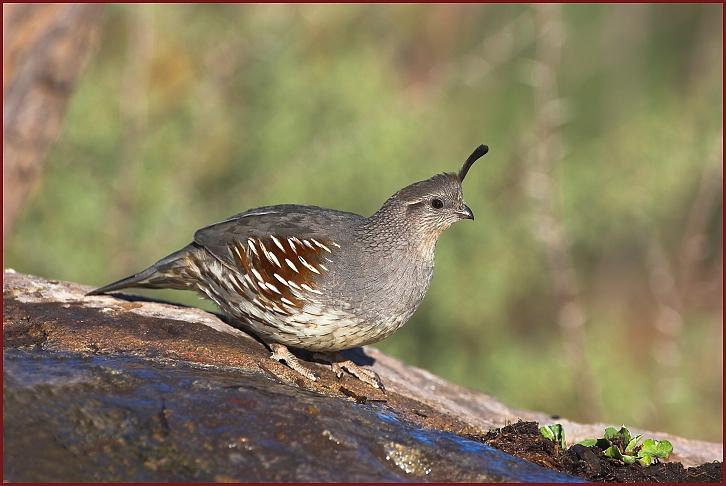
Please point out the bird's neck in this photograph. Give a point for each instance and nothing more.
(390, 230)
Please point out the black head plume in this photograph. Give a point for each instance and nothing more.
(478, 153)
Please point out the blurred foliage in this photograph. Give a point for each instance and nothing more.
(188, 114)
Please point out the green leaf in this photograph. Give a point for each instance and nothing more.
(664, 449)
(622, 433)
(603, 443)
(588, 442)
(649, 448)
(613, 452)
(555, 433)
(654, 449)
(625, 434)
(645, 461)
(633, 443)
(547, 433)
(611, 432)
(628, 459)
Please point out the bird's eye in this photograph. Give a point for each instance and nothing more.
(437, 203)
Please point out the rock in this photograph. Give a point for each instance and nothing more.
(108, 418)
(128, 389)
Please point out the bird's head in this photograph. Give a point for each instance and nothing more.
(430, 206)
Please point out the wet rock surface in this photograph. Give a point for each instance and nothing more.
(123, 388)
(81, 418)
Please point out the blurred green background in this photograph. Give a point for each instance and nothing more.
(590, 284)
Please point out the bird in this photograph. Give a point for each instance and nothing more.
(316, 279)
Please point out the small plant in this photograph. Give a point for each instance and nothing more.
(555, 433)
(622, 446)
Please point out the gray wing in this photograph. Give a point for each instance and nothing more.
(283, 221)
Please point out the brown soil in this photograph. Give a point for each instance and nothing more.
(524, 440)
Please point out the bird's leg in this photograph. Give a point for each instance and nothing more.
(281, 353)
(339, 365)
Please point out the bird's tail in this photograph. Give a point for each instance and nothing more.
(167, 273)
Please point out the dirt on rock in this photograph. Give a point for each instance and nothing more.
(523, 439)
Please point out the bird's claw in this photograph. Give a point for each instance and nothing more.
(363, 374)
(281, 353)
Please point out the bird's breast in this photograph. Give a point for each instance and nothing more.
(347, 298)
(381, 287)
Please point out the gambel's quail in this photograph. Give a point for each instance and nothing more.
(318, 279)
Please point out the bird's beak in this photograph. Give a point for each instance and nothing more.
(465, 213)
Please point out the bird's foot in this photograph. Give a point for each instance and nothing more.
(340, 365)
(281, 353)
(363, 374)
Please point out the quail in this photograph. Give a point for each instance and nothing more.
(318, 279)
